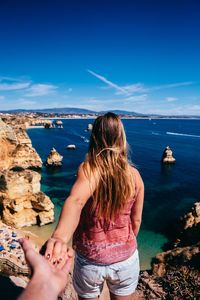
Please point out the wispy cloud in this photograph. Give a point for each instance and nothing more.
(8, 78)
(40, 90)
(14, 86)
(26, 102)
(111, 84)
(141, 88)
(171, 99)
(138, 88)
(171, 85)
(136, 98)
(134, 88)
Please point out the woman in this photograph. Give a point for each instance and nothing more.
(103, 211)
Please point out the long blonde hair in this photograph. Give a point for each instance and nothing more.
(107, 156)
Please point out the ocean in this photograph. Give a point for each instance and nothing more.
(170, 190)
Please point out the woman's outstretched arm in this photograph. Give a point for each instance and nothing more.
(136, 213)
(81, 191)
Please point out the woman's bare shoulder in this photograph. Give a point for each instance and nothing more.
(83, 169)
(136, 174)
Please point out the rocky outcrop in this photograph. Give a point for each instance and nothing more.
(25, 156)
(59, 124)
(54, 159)
(186, 250)
(167, 156)
(188, 228)
(40, 122)
(171, 259)
(16, 149)
(149, 288)
(177, 269)
(25, 120)
(22, 203)
(89, 127)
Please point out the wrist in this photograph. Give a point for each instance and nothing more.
(58, 236)
(42, 284)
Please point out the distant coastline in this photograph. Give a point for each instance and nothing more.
(126, 117)
(82, 116)
(80, 113)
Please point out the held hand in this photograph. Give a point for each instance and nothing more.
(43, 271)
(57, 252)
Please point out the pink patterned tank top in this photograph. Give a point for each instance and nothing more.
(104, 243)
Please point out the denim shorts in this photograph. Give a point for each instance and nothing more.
(121, 277)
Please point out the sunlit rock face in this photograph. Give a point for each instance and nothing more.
(186, 249)
(54, 159)
(168, 156)
(22, 202)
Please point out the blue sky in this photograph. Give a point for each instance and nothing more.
(141, 56)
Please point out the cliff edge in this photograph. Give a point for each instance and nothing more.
(21, 201)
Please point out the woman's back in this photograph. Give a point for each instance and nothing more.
(106, 242)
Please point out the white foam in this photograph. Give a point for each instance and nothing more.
(183, 134)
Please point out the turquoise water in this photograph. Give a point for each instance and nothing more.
(169, 190)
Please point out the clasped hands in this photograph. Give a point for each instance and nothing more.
(49, 272)
(57, 252)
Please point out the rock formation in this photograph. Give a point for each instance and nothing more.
(16, 149)
(175, 273)
(54, 159)
(186, 250)
(89, 126)
(59, 124)
(22, 203)
(167, 156)
(40, 122)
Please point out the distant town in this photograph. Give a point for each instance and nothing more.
(34, 117)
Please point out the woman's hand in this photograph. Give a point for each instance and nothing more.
(57, 252)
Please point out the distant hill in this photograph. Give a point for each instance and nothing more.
(62, 110)
(122, 112)
(79, 111)
(71, 110)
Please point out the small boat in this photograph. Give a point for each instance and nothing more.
(71, 147)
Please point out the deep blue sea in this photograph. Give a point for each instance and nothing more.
(169, 190)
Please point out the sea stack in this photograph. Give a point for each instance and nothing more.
(59, 124)
(54, 159)
(167, 156)
(89, 127)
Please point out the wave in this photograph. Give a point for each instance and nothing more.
(84, 139)
(183, 134)
(155, 133)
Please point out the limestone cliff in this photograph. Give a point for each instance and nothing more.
(22, 202)
(186, 250)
